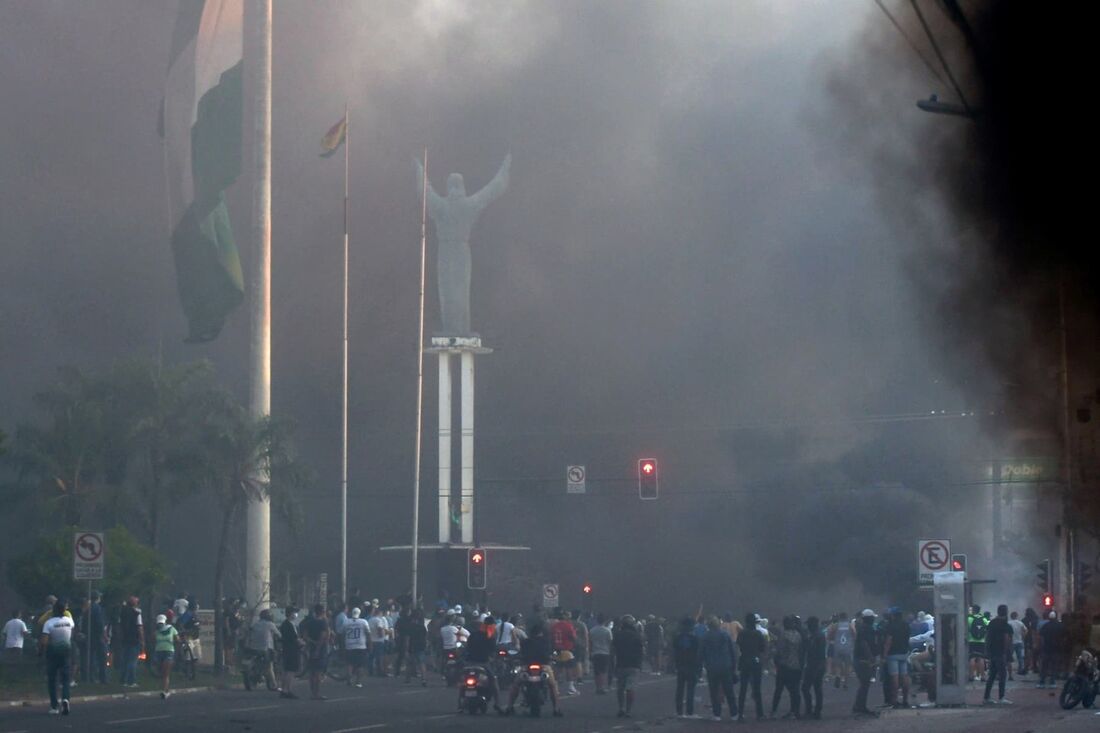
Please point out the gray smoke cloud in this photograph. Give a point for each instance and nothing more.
(687, 264)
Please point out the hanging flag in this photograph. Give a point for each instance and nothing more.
(201, 122)
(334, 138)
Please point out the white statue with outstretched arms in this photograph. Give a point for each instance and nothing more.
(454, 216)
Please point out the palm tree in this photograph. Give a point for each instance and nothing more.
(231, 454)
(150, 409)
(63, 461)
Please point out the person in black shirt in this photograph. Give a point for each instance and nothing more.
(814, 673)
(535, 649)
(315, 631)
(627, 652)
(895, 648)
(998, 645)
(865, 658)
(753, 645)
(480, 648)
(1052, 647)
(401, 640)
(418, 647)
(292, 653)
(685, 652)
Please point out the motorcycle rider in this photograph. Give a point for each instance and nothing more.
(535, 649)
(449, 635)
(479, 650)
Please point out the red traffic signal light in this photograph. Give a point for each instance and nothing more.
(587, 589)
(647, 478)
(476, 572)
(958, 563)
(1048, 601)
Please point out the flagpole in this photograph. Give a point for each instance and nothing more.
(258, 548)
(344, 423)
(419, 381)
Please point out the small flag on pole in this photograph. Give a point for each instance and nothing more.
(334, 138)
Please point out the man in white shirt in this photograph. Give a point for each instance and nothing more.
(1018, 632)
(14, 633)
(379, 630)
(355, 632)
(507, 637)
(57, 641)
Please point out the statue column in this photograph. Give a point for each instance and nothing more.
(445, 392)
(467, 379)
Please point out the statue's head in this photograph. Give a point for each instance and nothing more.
(455, 185)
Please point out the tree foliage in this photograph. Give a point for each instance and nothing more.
(47, 567)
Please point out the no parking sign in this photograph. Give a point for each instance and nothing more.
(932, 557)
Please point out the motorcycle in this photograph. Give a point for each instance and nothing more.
(506, 666)
(452, 659)
(1084, 685)
(535, 688)
(476, 690)
(254, 669)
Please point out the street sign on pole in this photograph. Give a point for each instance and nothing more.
(933, 556)
(88, 556)
(550, 598)
(574, 480)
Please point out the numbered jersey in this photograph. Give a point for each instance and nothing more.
(355, 634)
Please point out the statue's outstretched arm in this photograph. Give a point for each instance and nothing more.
(494, 187)
(434, 200)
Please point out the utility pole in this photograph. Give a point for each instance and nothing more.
(258, 549)
(1067, 561)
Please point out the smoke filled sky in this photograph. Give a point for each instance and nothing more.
(684, 244)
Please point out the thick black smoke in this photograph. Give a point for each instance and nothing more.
(1013, 178)
(680, 268)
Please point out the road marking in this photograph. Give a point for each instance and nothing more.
(362, 727)
(137, 720)
(259, 707)
(440, 717)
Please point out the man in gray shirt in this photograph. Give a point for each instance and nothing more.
(599, 639)
(261, 642)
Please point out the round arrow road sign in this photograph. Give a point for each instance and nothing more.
(89, 547)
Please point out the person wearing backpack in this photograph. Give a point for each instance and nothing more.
(975, 641)
(685, 653)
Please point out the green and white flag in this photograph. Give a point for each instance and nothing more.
(201, 123)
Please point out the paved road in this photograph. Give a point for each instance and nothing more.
(385, 705)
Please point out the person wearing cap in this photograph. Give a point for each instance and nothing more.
(1052, 644)
(865, 657)
(752, 643)
(355, 632)
(164, 652)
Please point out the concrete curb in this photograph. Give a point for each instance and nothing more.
(116, 696)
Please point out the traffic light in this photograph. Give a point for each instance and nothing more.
(586, 589)
(476, 572)
(647, 478)
(958, 563)
(1042, 578)
(1084, 575)
(1048, 601)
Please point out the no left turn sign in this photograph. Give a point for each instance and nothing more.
(88, 556)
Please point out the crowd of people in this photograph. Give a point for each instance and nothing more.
(730, 656)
